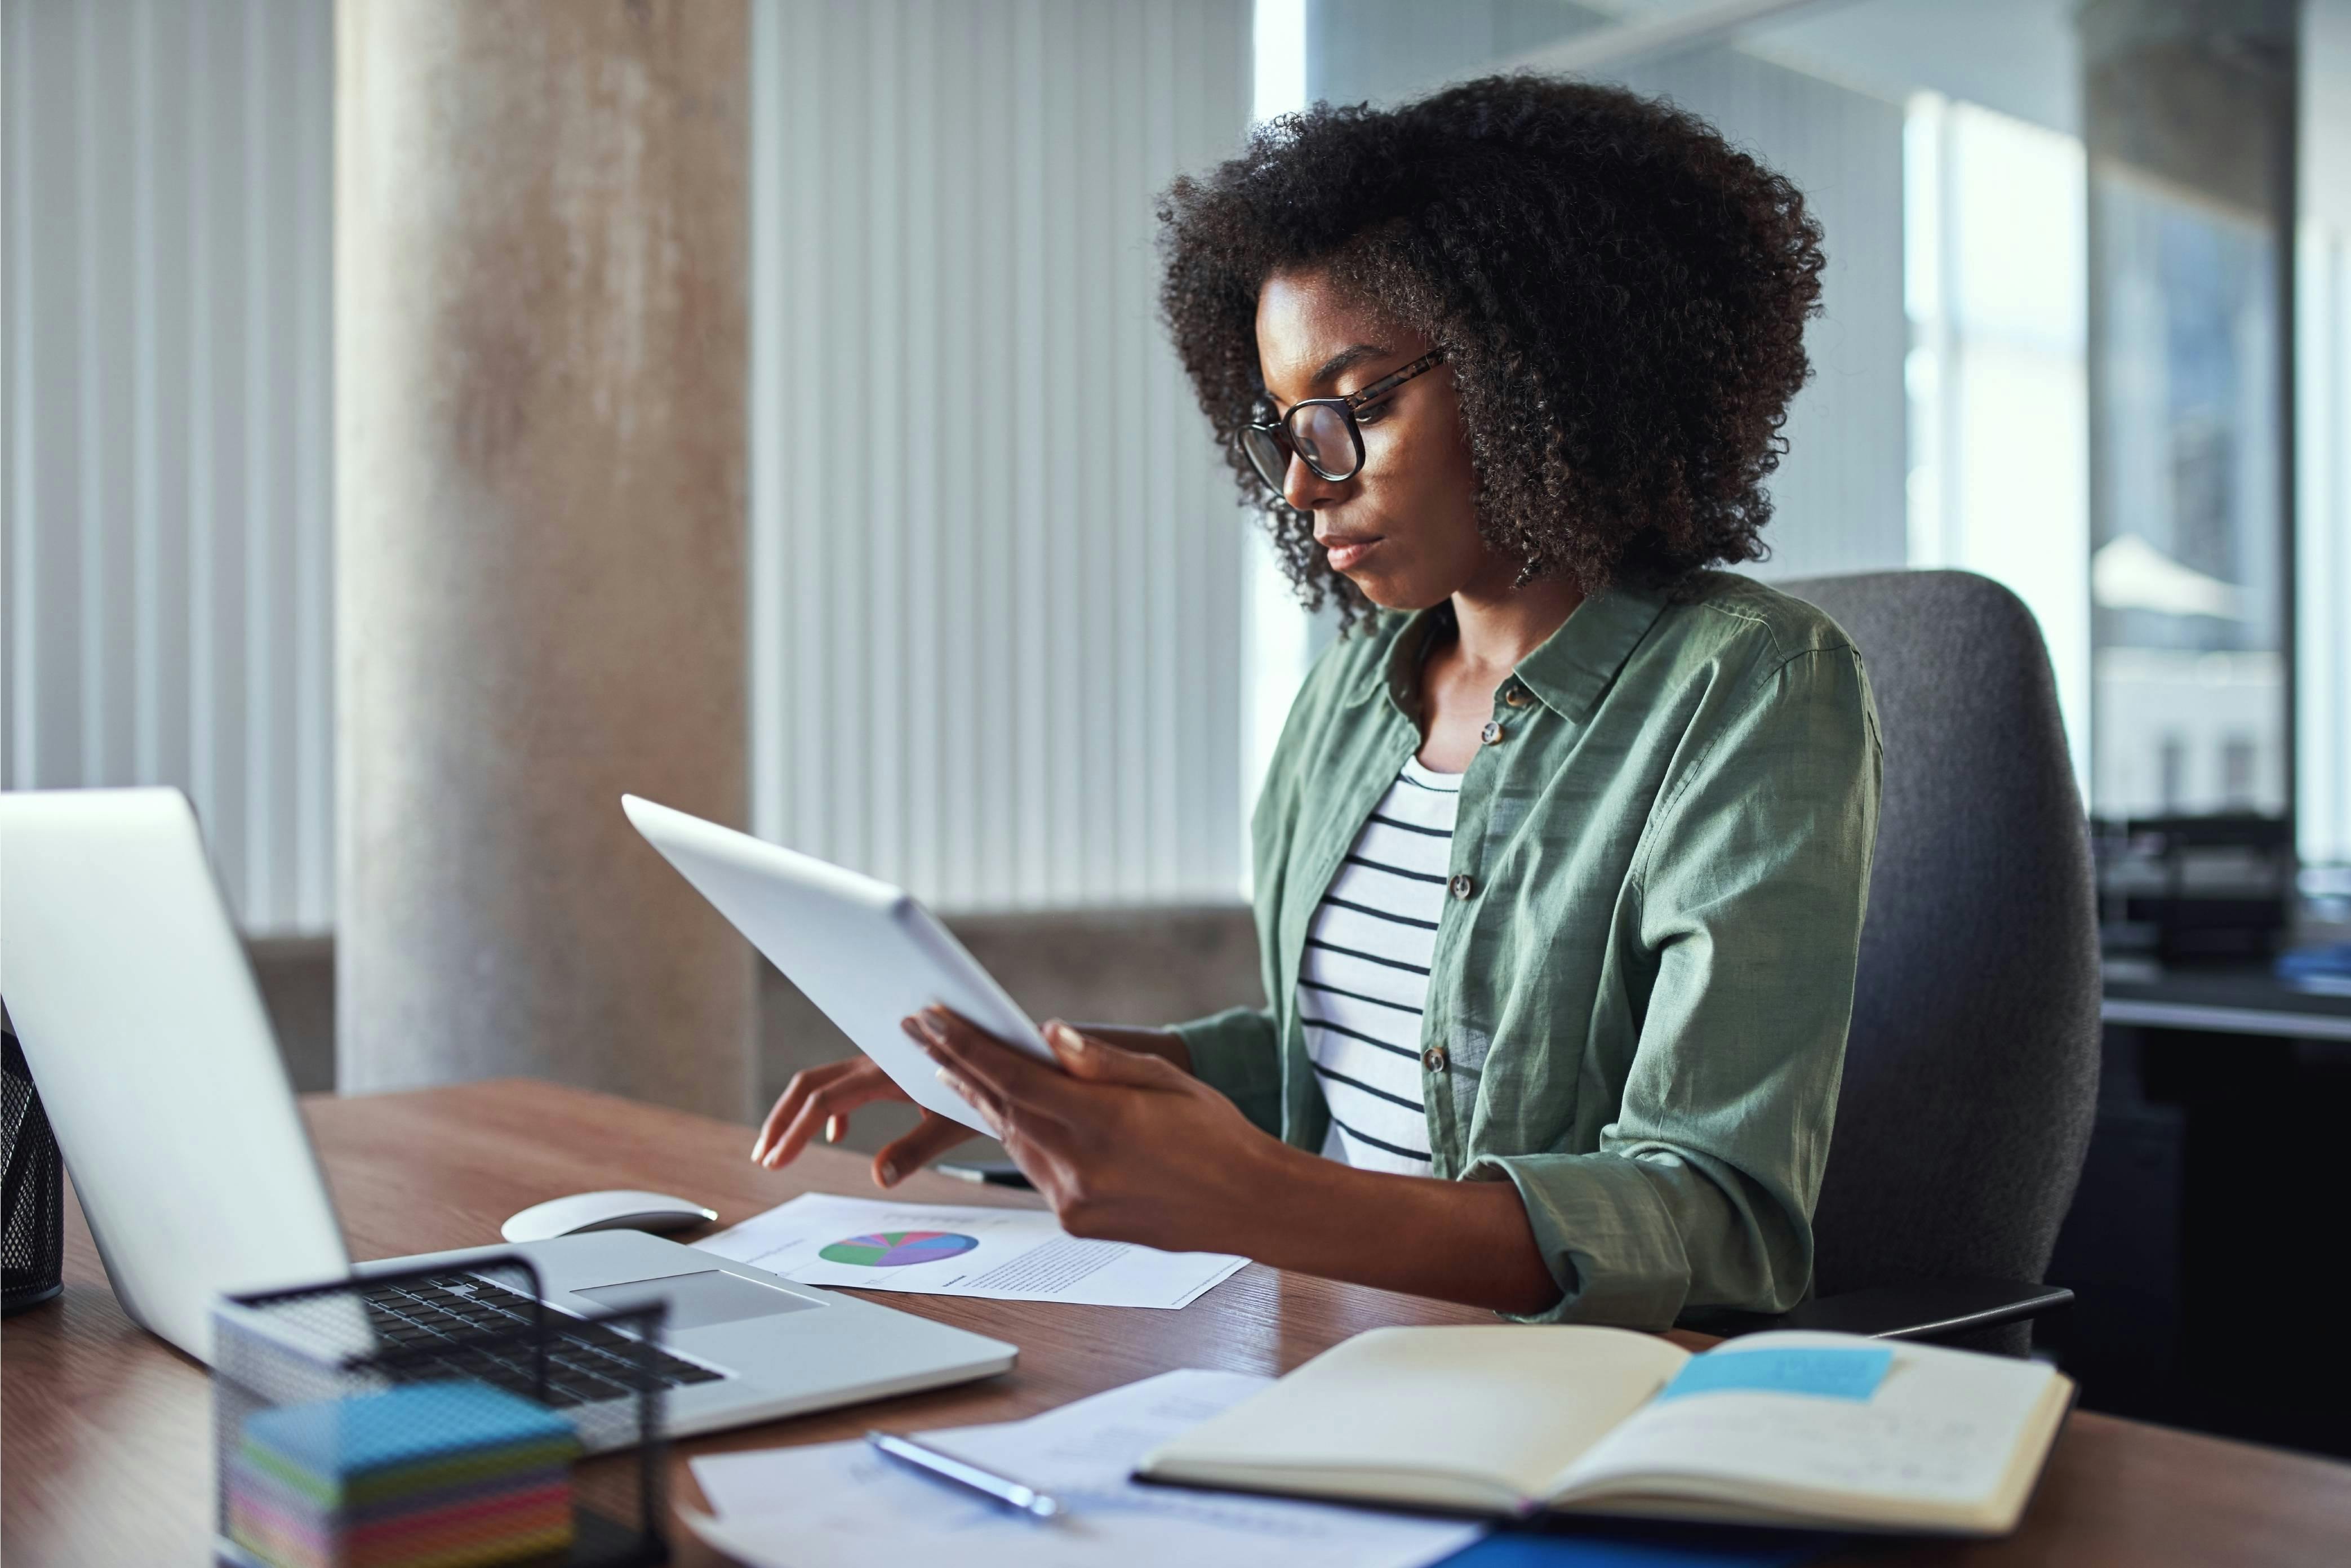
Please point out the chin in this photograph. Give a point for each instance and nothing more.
(1388, 593)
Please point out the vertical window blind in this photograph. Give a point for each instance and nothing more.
(996, 562)
(168, 532)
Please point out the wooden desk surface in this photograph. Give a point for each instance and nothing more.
(105, 1435)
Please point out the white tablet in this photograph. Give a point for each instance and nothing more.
(864, 952)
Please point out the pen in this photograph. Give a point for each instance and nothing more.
(988, 1173)
(963, 1473)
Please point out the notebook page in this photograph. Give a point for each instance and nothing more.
(1512, 1404)
(1937, 1436)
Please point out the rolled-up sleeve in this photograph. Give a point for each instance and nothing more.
(1238, 1054)
(1747, 895)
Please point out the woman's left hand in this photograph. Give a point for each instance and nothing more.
(1126, 1147)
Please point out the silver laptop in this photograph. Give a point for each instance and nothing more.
(127, 985)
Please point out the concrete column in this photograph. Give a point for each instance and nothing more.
(540, 321)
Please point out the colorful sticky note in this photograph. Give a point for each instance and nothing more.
(1827, 1372)
(436, 1475)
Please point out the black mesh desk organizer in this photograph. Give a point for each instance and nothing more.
(34, 1247)
(450, 1406)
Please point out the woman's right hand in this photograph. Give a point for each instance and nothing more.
(820, 1099)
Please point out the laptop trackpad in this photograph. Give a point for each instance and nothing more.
(698, 1300)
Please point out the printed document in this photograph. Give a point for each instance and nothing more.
(950, 1249)
(833, 1505)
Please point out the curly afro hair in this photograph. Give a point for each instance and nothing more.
(1620, 293)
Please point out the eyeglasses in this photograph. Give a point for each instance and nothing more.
(1321, 431)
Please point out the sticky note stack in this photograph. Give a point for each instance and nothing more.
(436, 1475)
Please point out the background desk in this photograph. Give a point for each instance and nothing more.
(105, 1436)
(2203, 1202)
(2242, 999)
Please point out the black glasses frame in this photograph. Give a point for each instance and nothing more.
(1280, 445)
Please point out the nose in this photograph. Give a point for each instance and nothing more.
(1307, 491)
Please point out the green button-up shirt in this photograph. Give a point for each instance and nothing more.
(1637, 1007)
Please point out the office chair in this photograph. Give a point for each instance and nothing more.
(1972, 1070)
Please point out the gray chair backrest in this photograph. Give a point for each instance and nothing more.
(1972, 1074)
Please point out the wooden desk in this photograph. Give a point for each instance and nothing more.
(105, 1441)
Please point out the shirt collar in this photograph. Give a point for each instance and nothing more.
(1575, 664)
(1568, 672)
(1397, 669)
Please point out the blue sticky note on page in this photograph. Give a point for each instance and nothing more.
(1827, 1372)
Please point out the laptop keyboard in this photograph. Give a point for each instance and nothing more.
(586, 1362)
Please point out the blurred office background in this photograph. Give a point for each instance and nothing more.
(425, 421)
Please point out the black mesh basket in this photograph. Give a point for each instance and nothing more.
(440, 1415)
(35, 1246)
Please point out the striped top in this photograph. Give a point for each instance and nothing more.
(1365, 973)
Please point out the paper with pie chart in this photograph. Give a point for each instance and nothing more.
(897, 1248)
(955, 1249)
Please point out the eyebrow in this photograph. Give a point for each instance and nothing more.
(1346, 357)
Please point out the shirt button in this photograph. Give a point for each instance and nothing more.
(1433, 1058)
(1516, 695)
(1461, 886)
(1492, 734)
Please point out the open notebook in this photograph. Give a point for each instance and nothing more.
(1785, 1428)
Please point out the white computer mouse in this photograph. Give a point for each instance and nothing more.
(605, 1211)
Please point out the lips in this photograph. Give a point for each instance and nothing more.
(1346, 549)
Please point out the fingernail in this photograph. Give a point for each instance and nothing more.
(758, 1151)
(889, 1174)
(1069, 1040)
(832, 1129)
(954, 1082)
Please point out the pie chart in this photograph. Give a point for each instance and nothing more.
(896, 1249)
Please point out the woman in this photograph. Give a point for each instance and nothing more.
(1562, 857)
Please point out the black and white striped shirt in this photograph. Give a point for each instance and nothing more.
(1364, 975)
